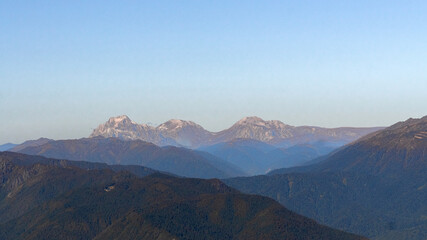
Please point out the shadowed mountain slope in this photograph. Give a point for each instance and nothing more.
(372, 206)
(27, 160)
(401, 147)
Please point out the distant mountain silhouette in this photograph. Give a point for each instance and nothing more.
(375, 186)
(45, 201)
(30, 143)
(179, 161)
(7, 146)
(189, 134)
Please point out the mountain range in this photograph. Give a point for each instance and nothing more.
(375, 186)
(41, 199)
(191, 135)
(251, 146)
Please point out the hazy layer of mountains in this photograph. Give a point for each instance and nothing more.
(57, 199)
(191, 135)
(251, 146)
(180, 161)
(376, 186)
(7, 146)
(240, 157)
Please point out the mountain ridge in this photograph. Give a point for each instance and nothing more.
(396, 148)
(176, 160)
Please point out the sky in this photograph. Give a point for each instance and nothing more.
(67, 66)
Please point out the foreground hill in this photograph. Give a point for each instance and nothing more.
(175, 160)
(42, 201)
(375, 187)
(189, 134)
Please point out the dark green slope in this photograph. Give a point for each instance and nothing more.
(179, 161)
(72, 203)
(375, 187)
(359, 203)
(22, 188)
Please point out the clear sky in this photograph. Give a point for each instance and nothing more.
(67, 66)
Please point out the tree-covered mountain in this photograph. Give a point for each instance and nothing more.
(180, 161)
(376, 186)
(50, 201)
(27, 160)
(372, 206)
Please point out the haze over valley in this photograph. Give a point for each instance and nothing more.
(343, 178)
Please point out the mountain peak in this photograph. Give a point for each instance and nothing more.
(179, 132)
(120, 121)
(250, 120)
(175, 124)
(253, 120)
(121, 127)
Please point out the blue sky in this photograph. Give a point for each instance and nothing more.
(67, 66)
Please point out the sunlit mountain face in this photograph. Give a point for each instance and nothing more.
(189, 134)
